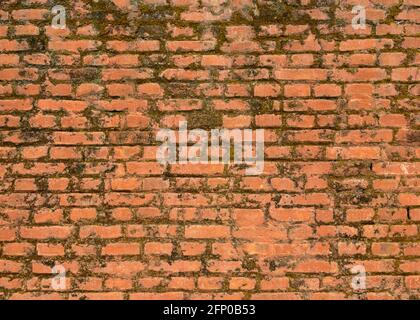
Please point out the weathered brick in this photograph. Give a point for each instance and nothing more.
(81, 107)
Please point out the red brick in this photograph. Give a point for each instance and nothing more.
(210, 283)
(121, 249)
(158, 248)
(50, 250)
(83, 214)
(44, 233)
(80, 109)
(18, 249)
(102, 232)
(203, 232)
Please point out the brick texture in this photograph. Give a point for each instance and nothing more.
(80, 185)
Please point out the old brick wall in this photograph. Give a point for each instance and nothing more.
(80, 186)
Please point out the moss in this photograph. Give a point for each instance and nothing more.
(206, 119)
(413, 136)
(392, 12)
(38, 43)
(261, 106)
(42, 184)
(100, 11)
(155, 114)
(411, 56)
(355, 197)
(274, 264)
(93, 116)
(76, 169)
(150, 22)
(282, 12)
(249, 263)
(85, 75)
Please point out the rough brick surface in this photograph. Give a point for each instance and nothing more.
(80, 186)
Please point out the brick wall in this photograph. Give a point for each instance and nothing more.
(81, 188)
